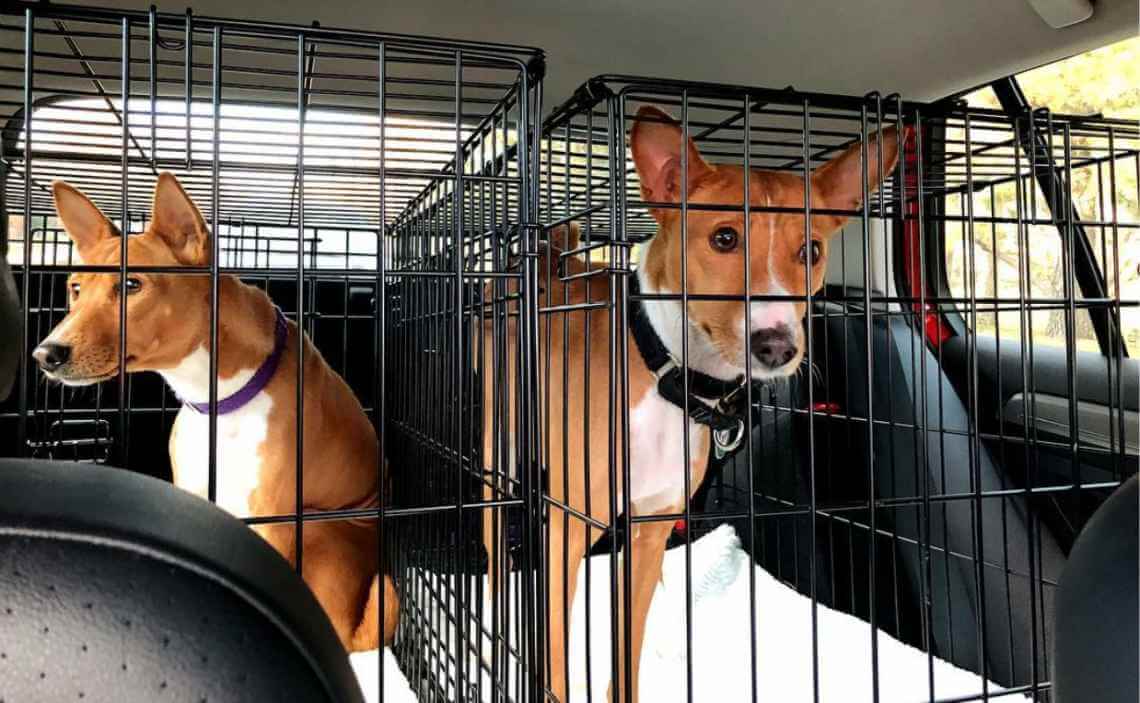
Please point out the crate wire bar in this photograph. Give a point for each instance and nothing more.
(368, 182)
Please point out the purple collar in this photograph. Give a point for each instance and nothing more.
(258, 381)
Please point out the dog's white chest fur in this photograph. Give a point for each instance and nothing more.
(241, 435)
(657, 453)
(657, 439)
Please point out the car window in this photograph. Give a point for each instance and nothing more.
(1105, 82)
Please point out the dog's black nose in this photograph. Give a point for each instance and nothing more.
(50, 356)
(773, 347)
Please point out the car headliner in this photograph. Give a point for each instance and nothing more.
(923, 49)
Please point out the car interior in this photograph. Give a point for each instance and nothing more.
(967, 440)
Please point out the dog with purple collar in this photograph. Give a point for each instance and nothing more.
(253, 444)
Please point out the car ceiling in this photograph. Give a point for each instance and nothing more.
(922, 49)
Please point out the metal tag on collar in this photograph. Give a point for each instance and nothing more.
(728, 404)
(727, 441)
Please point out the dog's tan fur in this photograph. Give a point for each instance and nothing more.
(776, 239)
(167, 320)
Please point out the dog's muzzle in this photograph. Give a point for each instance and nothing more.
(773, 347)
(51, 356)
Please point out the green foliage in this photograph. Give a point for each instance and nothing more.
(1107, 82)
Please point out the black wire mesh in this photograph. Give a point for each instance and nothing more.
(967, 397)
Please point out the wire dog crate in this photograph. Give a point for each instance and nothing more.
(966, 396)
(370, 183)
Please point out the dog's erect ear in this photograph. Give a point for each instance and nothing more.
(176, 220)
(84, 222)
(565, 237)
(840, 181)
(655, 142)
(559, 240)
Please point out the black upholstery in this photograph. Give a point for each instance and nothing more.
(1097, 647)
(118, 587)
(905, 373)
(1006, 539)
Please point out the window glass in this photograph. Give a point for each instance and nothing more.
(1105, 82)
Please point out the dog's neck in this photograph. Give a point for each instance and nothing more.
(667, 319)
(245, 339)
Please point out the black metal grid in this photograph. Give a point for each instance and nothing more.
(416, 274)
(883, 479)
(314, 154)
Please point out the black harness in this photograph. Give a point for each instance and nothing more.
(726, 416)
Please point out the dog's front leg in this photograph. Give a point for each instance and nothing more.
(648, 541)
(567, 549)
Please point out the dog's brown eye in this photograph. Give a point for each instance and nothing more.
(724, 239)
(75, 290)
(816, 252)
(132, 286)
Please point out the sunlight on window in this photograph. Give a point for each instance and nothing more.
(250, 134)
(81, 140)
(1105, 81)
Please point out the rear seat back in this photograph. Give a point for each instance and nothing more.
(908, 391)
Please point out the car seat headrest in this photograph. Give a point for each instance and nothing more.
(117, 586)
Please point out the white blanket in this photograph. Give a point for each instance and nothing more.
(396, 688)
(721, 666)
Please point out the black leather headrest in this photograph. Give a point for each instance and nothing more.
(118, 587)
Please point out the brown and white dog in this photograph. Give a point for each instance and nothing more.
(721, 335)
(168, 331)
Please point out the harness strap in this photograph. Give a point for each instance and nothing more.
(726, 414)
